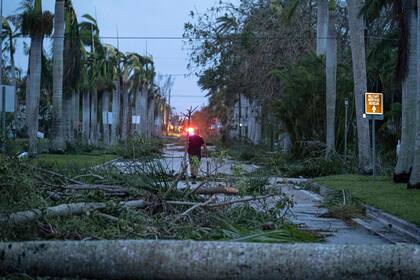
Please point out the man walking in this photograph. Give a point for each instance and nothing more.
(195, 142)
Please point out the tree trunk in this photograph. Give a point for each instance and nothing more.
(144, 111)
(34, 92)
(154, 259)
(331, 80)
(151, 117)
(322, 27)
(86, 117)
(137, 128)
(105, 110)
(94, 133)
(68, 118)
(415, 173)
(409, 86)
(357, 42)
(125, 113)
(57, 141)
(76, 113)
(116, 101)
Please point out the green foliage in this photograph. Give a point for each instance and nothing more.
(314, 167)
(301, 107)
(18, 187)
(34, 22)
(342, 205)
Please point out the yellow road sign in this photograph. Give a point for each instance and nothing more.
(374, 104)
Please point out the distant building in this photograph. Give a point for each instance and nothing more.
(245, 120)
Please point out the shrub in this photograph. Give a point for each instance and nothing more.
(320, 166)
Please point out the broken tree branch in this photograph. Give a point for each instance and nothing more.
(189, 210)
(62, 210)
(89, 187)
(89, 175)
(220, 189)
(221, 204)
(226, 203)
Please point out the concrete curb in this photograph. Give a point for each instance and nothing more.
(400, 225)
(409, 230)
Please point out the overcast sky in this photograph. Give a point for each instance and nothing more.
(142, 18)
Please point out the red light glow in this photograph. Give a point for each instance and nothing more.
(190, 130)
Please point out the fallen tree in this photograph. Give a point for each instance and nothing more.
(208, 260)
(62, 210)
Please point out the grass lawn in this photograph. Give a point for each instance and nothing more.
(380, 192)
(70, 160)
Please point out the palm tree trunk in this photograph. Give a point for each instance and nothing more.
(57, 143)
(115, 113)
(357, 42)
(409, 86)
(105, 110)
(13, 83)
(125, 113)
(136, 128)
(86, 117)
(415, 173)
(94, 132)
(331, 80)
(76, 113)
(322, 27)
(144, 111)
(151, 118)
(34, 92)
(67, 118)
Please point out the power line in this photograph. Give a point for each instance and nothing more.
(230, 37)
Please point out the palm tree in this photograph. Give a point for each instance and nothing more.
(415, 173)
(73, 53)
(11, 35)
(125, 98)
(36, 24)
(409, 89)
(105, 110)
(331, 78)
(357, 43)
(89, 33)
(116, 100)
(58, 143)
(135, 63)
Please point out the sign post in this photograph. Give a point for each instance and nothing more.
(374, 110)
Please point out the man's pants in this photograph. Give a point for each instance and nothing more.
(194, 164)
